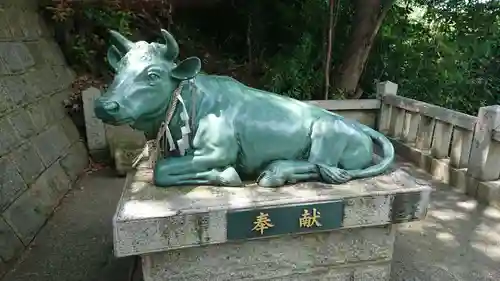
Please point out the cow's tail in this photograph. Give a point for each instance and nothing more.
(387, 150)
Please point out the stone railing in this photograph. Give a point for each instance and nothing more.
(456, 148)
(364, 111)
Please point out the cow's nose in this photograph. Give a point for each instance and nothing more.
(111, 106)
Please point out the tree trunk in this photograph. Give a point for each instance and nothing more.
(369, 15)
(329, 48)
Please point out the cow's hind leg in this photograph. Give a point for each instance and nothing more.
(280, 172)
(329, 140)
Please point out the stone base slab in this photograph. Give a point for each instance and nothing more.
(209, 232)
(152, 219)
(348, 254)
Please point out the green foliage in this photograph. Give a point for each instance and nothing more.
(446, 56)
(445, 52)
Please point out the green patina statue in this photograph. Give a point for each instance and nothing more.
(225, 130)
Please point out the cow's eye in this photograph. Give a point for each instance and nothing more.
(153, 76)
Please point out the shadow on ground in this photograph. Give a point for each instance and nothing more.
(459, 240)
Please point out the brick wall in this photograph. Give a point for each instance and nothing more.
(41, 154)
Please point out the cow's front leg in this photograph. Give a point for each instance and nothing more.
(220, 177)
(215, 151)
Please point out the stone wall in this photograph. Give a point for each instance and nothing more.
(41, 153)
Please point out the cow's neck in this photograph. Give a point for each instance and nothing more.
(176, 122)
(151, 125)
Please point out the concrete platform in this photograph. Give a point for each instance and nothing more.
(197, 232)
(458, 241)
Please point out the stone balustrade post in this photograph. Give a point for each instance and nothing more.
(484, 159)
(383, 89)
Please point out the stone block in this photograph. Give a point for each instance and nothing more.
(124, 158)
(56, 103)
(151, 219)
(489, 193)
(11, 183)
(302, 257)
(63, 77)
(479, 165)
(4, 26)
(75, 162)
(425, 161)
(62, 141)
(52, 82)
(13, 15)
(56, 55)
(369, 210)
(35, 83)
(11, 56)
(48, 111)
(44, 29)
(406, 150)
(3, 68)
(458, 179)
(37, 51)
(43, 80)
(29, 24)
(441, 170)
(96, 134)
(11, 246)
(51, 144)
(207, 232)
(8, 137)
(472, 186)
(23, 53)
(70, 130)
(30, 211)
(15, 87)
(40, 115)
(28, 162)
(363, 116)
(6, 103)
(3, 267)
(47, 50)
(387, 88)
(22, 123)
(125, 144)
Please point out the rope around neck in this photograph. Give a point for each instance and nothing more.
(157, 146)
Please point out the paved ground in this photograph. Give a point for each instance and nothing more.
(457, 241)
(77, 242)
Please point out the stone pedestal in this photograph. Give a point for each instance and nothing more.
(306, 231)
(125, 144)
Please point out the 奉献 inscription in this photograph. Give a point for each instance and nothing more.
(262, 223)
(310, 220)
(247, 224)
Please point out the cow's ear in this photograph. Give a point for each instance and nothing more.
(114, 57)
(187, 69)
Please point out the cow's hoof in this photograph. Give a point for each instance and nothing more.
(267, 179)
(334, 175)
(229, 177)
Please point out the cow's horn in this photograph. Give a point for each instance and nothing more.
(172, 47)
(120, 42)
